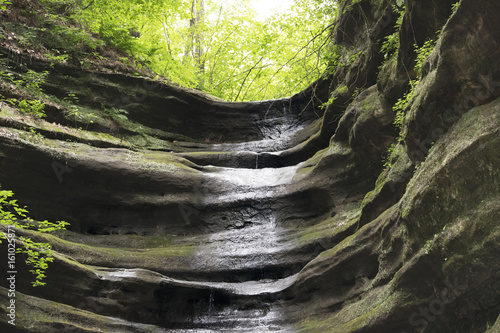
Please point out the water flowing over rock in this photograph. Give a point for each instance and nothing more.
(199, 215)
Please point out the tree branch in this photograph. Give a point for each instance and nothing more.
(88, 6)
(246, 77)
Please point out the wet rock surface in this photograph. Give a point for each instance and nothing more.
(200, 215)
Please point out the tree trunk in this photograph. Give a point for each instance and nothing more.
(196, 40)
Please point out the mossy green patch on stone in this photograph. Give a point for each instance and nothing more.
(308, 165)
(126, 251)
(40, 315)
(330, 228)
(356, 314)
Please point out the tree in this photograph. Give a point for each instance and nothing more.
(220, 48)
(195, 45)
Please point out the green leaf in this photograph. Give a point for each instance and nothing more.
(38, 254)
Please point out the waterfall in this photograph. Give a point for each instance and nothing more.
(211, 301)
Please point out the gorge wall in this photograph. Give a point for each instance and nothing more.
(191, 214)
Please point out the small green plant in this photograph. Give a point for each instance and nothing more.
(98, 56)
(33, 136)
(9, 77)
(402, 104)
(392, 151)
(116, 35)
(38, 254)
(454, 7)
(423, 53)
(358, 91)
(31, 81)
(332, 98)
(61, 58)
(34, 80)
(35, 107)
(70, 38)
(3, 4)
(31, 106)
(117, 114)
(74, 112)
(327, 103)
(332, 58)
(391, 43)
(71, 98)
(27, 35)
(354, 57)
(387, 161)
(77, 113)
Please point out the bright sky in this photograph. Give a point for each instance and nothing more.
(265, 8)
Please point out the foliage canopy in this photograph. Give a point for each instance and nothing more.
(220, 47)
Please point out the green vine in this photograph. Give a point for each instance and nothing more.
(402, 105)
(391, 42)
(38, 254)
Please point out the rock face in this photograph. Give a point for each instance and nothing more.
(190, 214)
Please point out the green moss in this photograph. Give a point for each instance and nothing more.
(335, 150)
(356, 314)
(147, 141)
(312, 162)
(469, 238)
(118, 250)
(147, 161)
(152, 162)
(39, 315)
(388, 69)
(370, 102)
(208, 153)
(329, 228)
(121, 241)
(398, 170)
(16, 120)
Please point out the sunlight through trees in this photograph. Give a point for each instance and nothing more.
(225, 48)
